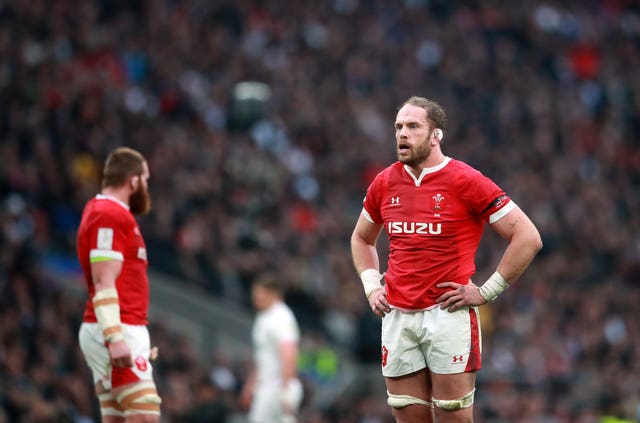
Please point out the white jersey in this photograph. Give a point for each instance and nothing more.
(272, 326)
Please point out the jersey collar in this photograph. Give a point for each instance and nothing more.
(108, 197)
(426, 170)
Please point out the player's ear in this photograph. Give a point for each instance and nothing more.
(438, 134)
(135, 181)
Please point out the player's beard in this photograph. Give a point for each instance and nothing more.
(417, 154)
(140, 201)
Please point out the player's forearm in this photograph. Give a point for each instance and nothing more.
(363, 245)
(367, 264)
(289, 361)
(105, 300)
(522, 248)
(365, 255)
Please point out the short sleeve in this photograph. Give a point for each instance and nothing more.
(483, 196)
(107, 239)
(371, 202)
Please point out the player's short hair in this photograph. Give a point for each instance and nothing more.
(121, 164)
(435, 113)
(270, 282)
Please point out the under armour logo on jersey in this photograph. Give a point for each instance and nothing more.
(395, 201)
(457, 359)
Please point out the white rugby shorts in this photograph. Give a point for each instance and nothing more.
(96, 355)
(442, 341)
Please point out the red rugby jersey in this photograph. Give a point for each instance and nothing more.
(108, 231)
(434, 224)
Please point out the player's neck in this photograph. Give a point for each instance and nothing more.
(435, 158)
(117, 193)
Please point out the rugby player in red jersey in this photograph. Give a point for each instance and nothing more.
(433, 209)
(113, 336)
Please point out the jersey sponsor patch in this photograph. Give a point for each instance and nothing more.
(142, 253)
(105, 239)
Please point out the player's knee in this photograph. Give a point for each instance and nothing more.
(465, 401)
(401, 401)
(141, 400)
(109, 406)
(143, 418)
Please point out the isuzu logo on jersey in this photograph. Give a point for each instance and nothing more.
(420, 228)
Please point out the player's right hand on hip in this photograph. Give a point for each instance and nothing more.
(120, 354)
(378, 302)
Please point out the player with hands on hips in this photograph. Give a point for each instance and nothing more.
(433, 209)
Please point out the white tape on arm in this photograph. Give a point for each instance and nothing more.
(107, 308)
(493, 287)
(370, 280)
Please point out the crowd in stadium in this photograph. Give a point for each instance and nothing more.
(543, 97)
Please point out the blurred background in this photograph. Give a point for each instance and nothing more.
(263, 122)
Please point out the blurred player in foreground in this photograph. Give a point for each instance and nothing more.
(273, 390)
(113, 336)
(433, 209)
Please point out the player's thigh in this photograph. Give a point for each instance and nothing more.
(95, 352)
(137, 338)
(265, 406)
(416, 385)
(402, 352)
(458, 388)
(453, 340)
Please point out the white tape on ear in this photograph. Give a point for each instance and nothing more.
(438, 133)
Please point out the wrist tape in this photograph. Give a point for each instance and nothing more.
(107, 309)
(370, 280)
(493, 287)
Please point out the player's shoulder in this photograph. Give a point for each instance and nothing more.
(463, 171)
(393, 170)
(282, 311)
(107, 209)
(462, 166)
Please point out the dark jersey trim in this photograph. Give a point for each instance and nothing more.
(494, 203)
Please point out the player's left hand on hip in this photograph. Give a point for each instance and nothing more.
(459, 295)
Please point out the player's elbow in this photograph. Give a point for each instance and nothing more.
(356, 240)
(534, 240)
(528, 238)
(539, 243)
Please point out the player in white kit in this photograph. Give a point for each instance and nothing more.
(273, 389)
